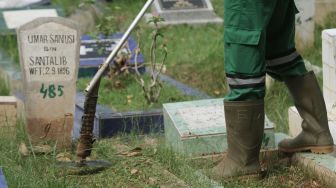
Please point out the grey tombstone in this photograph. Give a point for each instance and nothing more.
(49, 59)
(185, 12)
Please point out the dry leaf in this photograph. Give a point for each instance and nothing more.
(216, 92)
(134, 171)
(23, 149)
(63, 157)
(134, 154)
(152, 181)
(148, 161)
(42, 149)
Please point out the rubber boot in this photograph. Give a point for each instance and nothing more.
(245, 127)
(308, 99)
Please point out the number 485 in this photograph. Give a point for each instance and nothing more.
(52, 91)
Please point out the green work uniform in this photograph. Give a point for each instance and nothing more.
(259, 39)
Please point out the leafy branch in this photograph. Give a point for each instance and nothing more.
(152, 88)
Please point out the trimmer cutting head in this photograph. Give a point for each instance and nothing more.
(85, 167)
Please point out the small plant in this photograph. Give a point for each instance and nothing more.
(158, 55)
(152, 88)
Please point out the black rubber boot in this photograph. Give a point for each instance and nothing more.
(309, 102)
(245, 127)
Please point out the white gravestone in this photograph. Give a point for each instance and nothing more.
(305, 25)
(49, 59)
(329, 69)
(16, 18)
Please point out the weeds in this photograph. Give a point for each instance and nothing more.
(152, 88)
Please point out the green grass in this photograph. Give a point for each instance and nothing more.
(195, 53)
(67, 6)
(129, 97)
(9, 46)
(154, 162)
(195, 58)
(4, 90)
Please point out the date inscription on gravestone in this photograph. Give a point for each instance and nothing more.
(49, 58)
(182, 4)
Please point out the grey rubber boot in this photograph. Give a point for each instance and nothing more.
(245, 127)
(308, 99)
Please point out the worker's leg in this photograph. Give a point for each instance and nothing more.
(244, 35)
(284, 63)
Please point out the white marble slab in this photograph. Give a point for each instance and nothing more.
(17, 18)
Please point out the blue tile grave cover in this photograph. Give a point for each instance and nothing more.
(3, 183)
(94, 51)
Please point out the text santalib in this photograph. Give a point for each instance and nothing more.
(47, 60)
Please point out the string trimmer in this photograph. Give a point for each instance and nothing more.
(84, 146)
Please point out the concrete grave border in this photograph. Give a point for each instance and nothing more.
(109, 122)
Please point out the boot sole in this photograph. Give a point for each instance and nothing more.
(313, 149)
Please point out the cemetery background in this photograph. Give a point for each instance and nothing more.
(203, 71)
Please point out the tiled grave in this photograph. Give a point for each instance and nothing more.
(10, 19)
(93, 53)
(108, 122)
(198, 127)
(185, 12)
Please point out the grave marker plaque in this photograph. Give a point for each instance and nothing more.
(185, 12)
(49, 58)
(196, 128)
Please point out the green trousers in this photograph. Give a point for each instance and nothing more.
(259, 39)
